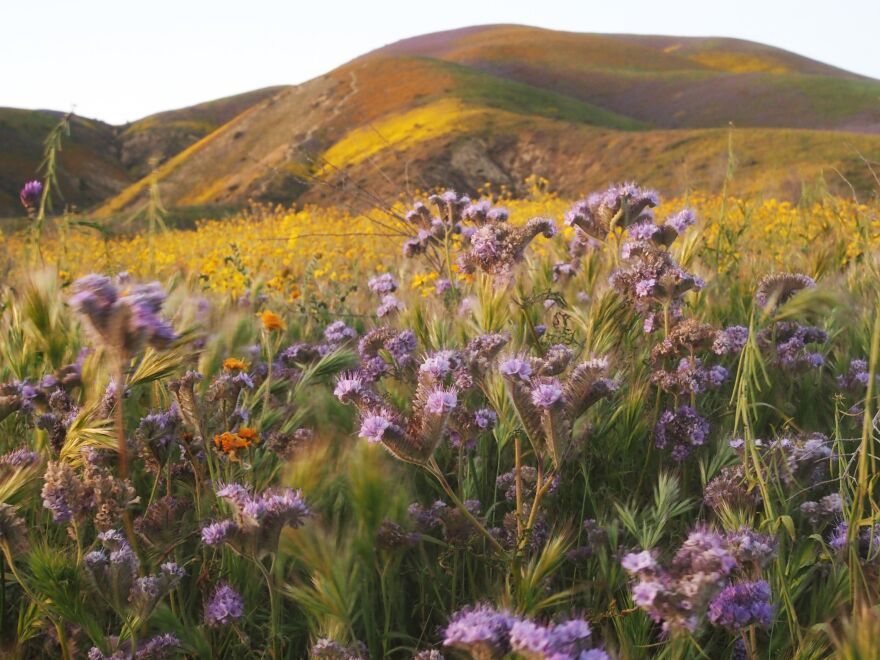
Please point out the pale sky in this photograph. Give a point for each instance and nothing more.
(119, 60)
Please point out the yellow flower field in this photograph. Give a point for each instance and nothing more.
(278, 247)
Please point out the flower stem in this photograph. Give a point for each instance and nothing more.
(434, 469)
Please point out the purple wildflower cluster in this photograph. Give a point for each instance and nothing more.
(866, 541)
(690, 377)
(490, 243)
(398, 345)
(550, 396)
(649, 277)
(485, 632)
(157, 435)
(856, 377)
(160, 647)
(496, 247)
(731, 340)
(437, 412)
(433, 231)
(95, 491)
(679, 593)
(124, 321)
(257, 519)
(680, 430)
(620, 206)
(741, 605)
(788, 345)
(113, 572)
(751, 548)
(224, 607)
(382, 284)
(337, 333)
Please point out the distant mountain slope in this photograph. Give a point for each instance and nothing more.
(496, 104)
(670, 82)
(163, 135)
(89, 167)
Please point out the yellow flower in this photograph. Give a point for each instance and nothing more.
(271, 320)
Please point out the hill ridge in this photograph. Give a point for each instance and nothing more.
(480, 104)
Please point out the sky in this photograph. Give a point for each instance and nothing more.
(120, 60)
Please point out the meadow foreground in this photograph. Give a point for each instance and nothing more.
(612, 428)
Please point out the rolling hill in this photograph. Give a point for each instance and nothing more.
(496, 104)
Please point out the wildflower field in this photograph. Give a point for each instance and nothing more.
(615, 427)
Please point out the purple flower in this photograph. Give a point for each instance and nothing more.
(485, 418)
(856, 378)
(547, 394)
(731, 341)
(216, 533)
(741, 605)
(530, 639)
(382, 284)
(480, 630)
(751, 547)
(348, 386)
(442, 286)
(224, 606)
(679, 593)
(638, 562)
(643, 231)
(20, 458)
(441, 401)
(439, 365)
(337, 332)
(235, 493)
(682, 430)
(402, 346)
(645, 288)
(123, 322)
(516, 368)
(645, 593)
(484, 244)
(390, 305)
(681, 220)
(373, 427)
(30, 194)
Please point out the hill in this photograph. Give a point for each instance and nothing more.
(89, 170)
(498, 103)
(99, 160)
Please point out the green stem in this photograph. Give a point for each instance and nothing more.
(434, 469)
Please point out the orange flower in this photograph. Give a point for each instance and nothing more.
(230, 443)
(234, 364)
(271, 320)
(249, 434)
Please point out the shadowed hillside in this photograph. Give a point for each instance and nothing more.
(99, 160)
(89, 170)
